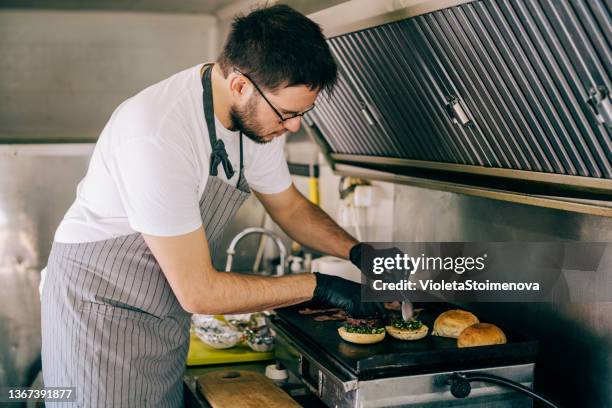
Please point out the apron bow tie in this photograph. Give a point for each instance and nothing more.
(219, 156)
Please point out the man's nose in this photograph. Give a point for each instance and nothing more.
(293, 124)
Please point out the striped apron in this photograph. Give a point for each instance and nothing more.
(111, 325)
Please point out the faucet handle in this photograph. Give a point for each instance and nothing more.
(295, 263)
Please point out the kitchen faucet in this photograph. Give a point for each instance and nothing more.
(231, 250)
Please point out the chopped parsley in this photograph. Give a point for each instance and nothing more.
(411, 324)
(364, 329)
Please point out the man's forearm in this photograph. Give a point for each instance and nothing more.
(229, 292)
(200, 288)
(311, 226)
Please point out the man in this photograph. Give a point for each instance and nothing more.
(132, 257)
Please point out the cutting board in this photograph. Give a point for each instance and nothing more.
(201, 354)
(242, 389)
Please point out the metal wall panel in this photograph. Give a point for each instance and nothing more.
(574, 364)
(37, 185)
(511, 84)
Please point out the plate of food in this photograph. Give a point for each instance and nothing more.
(261, 339)
(221, 337)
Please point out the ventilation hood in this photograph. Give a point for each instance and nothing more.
(505, 99)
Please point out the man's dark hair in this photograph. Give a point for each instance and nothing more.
(277, 46)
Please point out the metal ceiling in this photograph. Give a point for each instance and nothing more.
(223, 8)
(174, 6)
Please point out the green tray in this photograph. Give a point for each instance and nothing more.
(201, 354)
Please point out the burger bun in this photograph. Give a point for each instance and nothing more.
(405, 334)
(481, 334)
(360, 338)
(452, 322)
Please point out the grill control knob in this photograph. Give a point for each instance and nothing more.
(459, 385)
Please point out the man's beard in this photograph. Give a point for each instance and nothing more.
(243, 121)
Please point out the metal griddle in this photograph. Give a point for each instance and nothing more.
(393, 357)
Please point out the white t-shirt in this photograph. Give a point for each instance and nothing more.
(150, 165)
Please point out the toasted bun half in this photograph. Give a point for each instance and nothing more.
(404, 334)
(360, 338)
(452, 322)
(481, 334)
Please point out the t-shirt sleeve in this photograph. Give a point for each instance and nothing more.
(158, 186)
(269, 173)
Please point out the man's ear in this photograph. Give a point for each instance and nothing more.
(239, 86)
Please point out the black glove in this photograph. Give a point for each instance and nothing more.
(362, 256)
(344, 294)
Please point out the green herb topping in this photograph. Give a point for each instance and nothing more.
(411, 324)
(364, 329)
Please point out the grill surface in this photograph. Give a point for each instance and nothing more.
(393, 357)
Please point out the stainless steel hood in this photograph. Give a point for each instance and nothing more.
(507, 99)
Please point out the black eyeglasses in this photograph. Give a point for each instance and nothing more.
(280, 116)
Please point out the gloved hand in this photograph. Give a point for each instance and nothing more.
(344, 294)
(362, 256)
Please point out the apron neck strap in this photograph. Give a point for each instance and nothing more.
(241, 166)
(219, 154)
